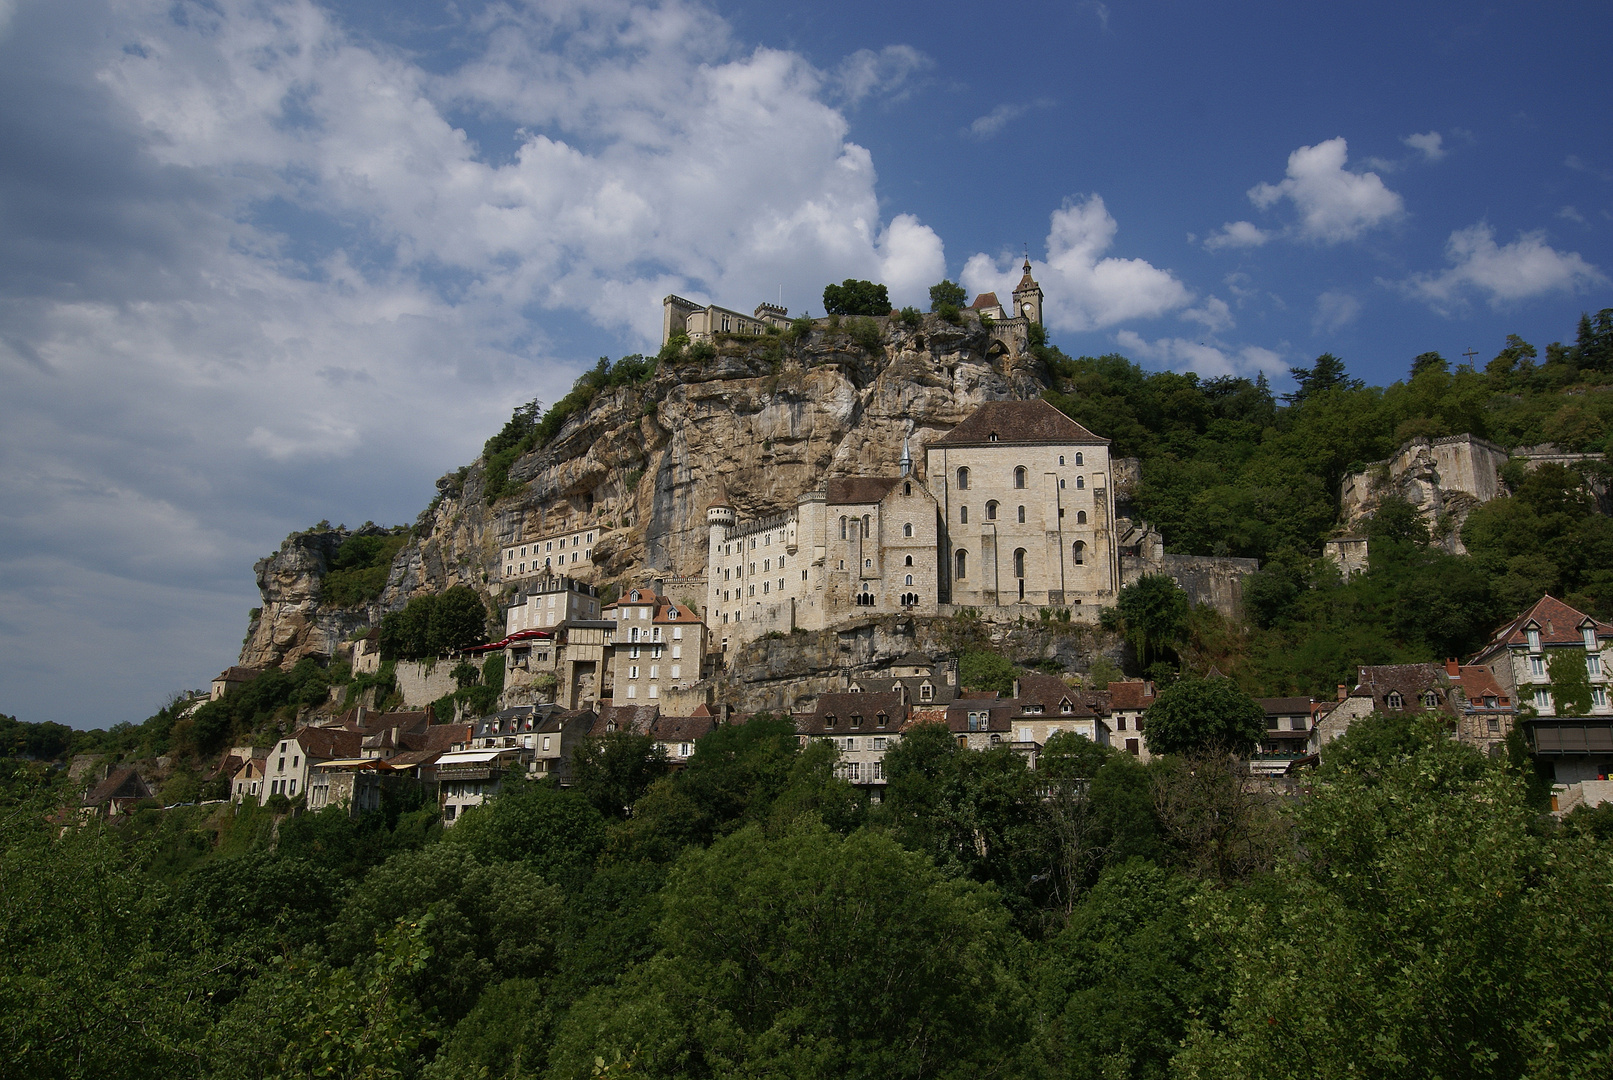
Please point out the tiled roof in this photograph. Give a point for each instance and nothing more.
(1479, 682)
(1130, 694)
(624, 719)
(414, 757)
(1000, 718)
(985, 300)
(442, 737)
(682, 728)
(1050, 692)
(1283, 706)
(927, 716)
(1378, 681)
(124, 783)
(859, 490)
(843, 706)
(328, 743)
(1025, 422)
(1559, 625)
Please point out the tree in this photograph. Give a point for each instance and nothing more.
(614, 770)
(853, 958)
(1327, 373)
(1204, 716)
(1153, 612)
(947, 292)
(856, 297)
(459, 621)
(982, 670)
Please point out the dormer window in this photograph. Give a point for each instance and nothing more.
(1490, 701)
(1394, 700)
(880, 720)
(1533, 634)
(992, 437)
(926, 692)
(1430, 700)
(856, 720)
(1590, 638)
(829, 720)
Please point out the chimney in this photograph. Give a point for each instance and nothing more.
(1344, 691)
(1452, 668)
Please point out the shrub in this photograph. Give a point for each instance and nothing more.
(950, 313)
(947, 293)
(856, 297)
(867, 334)
(911, 318)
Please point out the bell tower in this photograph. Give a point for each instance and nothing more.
(1028, 295)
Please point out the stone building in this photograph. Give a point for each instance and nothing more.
(658, 644)
(546, 555)
(1027, 513)
(549, 601)
(701, 322)
(1574, 746)
(1470, 697)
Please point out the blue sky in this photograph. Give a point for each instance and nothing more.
(264, 262)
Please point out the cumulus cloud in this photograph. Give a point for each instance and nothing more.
(1502, 273)
(1213, 314)
(1431, 144)
(1236, 234)
(1334, 204)
(1084, 288)
(241, 245)
(1334, 311)
(1210, 359)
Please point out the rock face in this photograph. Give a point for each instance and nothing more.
(1443, 478)
(767, 418)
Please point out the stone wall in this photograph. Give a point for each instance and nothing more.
(1443, 478)
(423, 681)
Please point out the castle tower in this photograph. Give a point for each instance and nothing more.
(719, 516)
(1028, 296)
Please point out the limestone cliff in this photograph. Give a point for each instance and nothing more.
(767, 417)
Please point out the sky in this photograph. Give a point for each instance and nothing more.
(270, 262)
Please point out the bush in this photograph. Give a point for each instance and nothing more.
(867, 334)
(950, 313)
(359, 569)
(947, 293)
(911, 318)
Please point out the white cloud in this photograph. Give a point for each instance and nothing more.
(1570, 213)
(1431, 144)
(1210, 359)
(985, 127)
(885, 73)
(1334, 204)
(1504, 274)
(292, 237)
(1214, 315)
(1236, 234)
(1084, 290)
(1334, 311)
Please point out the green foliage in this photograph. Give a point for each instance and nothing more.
(867, 334)
(981, 669)
(911, 318)
(434, 624)
(950, 313)
(558, 833)
(358, 571)
(1103, 671)
(43, 742)
(917, 983)
(856, 297)
(1153, 616)
(614, 770)
(1203, 715)
(1570, 682)
(947, 293)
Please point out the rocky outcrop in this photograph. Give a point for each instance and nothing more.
(1443, 478)
(769, 418)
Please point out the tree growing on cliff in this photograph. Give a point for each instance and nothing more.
(1153, 615)
(856, 297)
(947, 292)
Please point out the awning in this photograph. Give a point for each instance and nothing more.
(472, 757)
(351, 763)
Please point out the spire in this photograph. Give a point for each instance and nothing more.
(907, 455)
(720, 496)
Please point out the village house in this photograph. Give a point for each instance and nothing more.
(232, 678)
(116, 794)
(926, 681)
(1287, 738)
(1470, 697)
(862, 727)
(1044, 706)
(699, 322)
(1126, 702)
(247, 781)
(569, 551)
(658, 645)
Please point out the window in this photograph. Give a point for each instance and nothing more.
(1534, 640)
(961, 561)
(1019, 562)
(991, 510)
(1080, 517)
(1120, 724)
(907, 529)
(926, 692)
(1061, 462)
(1271, 723)
(909, 561)
(907, 487)
(1394, 700)
(1078, 460)
(909, 580)
(879, 770)
(1494, 724)
(1543, 701)
(963, 478)
(1537, 665)
(1078, 552)
(1598, 698)
(632, 672)
(879, 742)
(1080, 482)
(546, 744)
(1022, 515)
(1593, 664)
(867, 531)
(1298, 723)
(1430, 700)
(1589, 634)
(963, 515)
(1061, 483)
(1019, 476)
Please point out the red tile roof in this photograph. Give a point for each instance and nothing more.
(843, 706)
(985, 300)
(1018, 422)
(1559, 624)
(329, 743)
(1130, 694)
(682, 728)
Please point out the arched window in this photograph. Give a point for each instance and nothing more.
(1080, 481)
(867, 532)
(909, 561)
(963, 515)
(909, 580)
(907, 487)
(1080, 517)
(842, 526)
(907, 529)
(1019, 562)
(991, 510)
(1019, 476)
(1061, 459)
(1078, 552)
(1078, 460)
(1022, 515)
(962, 565)
(963, 478)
